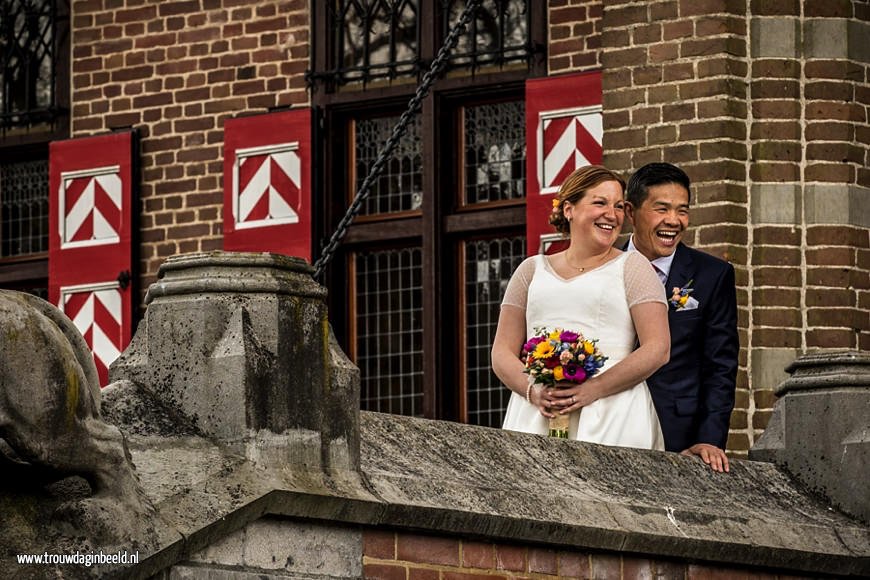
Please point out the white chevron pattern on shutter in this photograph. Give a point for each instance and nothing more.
(567, 139)
(266, 186)
(90, 207)
(96, 311)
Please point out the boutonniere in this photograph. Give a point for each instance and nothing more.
(681, 298)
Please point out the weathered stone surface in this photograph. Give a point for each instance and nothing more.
(281, 545)
(820, 428)
(454, 479)
(239, 345)
(237, 499)
(51, 430)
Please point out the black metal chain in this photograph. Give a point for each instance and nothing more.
(398, 131)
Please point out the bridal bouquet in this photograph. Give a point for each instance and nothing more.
(561, 355)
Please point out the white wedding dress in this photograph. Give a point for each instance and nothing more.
(596, 304)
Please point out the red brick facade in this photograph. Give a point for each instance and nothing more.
(176, 71)
(404, 556)
(769, 119)
(766, 108)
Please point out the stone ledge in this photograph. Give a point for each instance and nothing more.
(448, 478)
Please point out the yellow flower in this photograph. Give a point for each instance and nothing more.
(684, 299)
(588, 346)
(544, 350)
(558, 373)
(555, 202)
(555, 334)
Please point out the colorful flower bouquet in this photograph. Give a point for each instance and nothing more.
(561, 356)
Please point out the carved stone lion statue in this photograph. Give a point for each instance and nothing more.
(50, 420)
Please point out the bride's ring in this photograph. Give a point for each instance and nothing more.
(572, 400)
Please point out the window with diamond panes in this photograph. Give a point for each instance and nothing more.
(495, 152)
(499, 34)
(458, 177)
(400, 186)
(488, 265)
(23, 208)
(375, 39)
(29, 44)
(389, 334)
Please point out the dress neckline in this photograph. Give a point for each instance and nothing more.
(552, 271)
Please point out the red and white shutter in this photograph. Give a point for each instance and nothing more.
(267, 183)
(90, 232)
(564, 130)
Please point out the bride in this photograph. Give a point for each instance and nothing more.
(601, 292)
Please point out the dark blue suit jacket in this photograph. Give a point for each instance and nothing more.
(694, 392)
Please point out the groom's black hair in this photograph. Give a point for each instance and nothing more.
(654, 174)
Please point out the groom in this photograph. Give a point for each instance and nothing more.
(694, 392)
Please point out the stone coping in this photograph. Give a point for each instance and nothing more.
(827, 370)
(447, 478)
(234, 273)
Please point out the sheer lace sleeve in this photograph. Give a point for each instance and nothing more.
(641, 282)
(517, 290)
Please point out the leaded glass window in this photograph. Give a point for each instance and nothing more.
(382, 39)
(487, 267)
(24, 208)
(389, 333)
(495, 152)
(375, 38)
(499, 34)
(28, 58)
(399, 188)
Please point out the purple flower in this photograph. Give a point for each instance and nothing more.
(532, 343)
(568, 336)
(574, 373)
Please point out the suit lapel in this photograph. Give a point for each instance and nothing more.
(682, 269)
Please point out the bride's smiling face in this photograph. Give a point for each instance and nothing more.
(597, 217)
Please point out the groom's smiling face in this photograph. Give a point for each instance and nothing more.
(661, 220)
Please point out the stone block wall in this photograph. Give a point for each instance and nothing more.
(273, 548)
(766, 110)
(177, 69)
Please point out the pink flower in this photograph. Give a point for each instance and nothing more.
(532, 343)
(565, 357)
(568, 336)
(574, 373)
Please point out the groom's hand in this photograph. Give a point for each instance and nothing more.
(709, 454)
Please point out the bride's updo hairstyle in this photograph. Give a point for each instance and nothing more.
(575, 187)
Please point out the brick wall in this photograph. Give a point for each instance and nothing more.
(404, 556)
(766, 110)
(675, 90)
(574, 35)
(765, 107)
(807, 80)
(177, 70)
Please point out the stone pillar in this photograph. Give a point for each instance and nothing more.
(820, 428)
(240, 345)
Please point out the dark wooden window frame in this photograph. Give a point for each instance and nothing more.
(30, 141)
(443, 222)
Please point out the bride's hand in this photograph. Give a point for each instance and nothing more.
(571, 397)
(543, 400)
